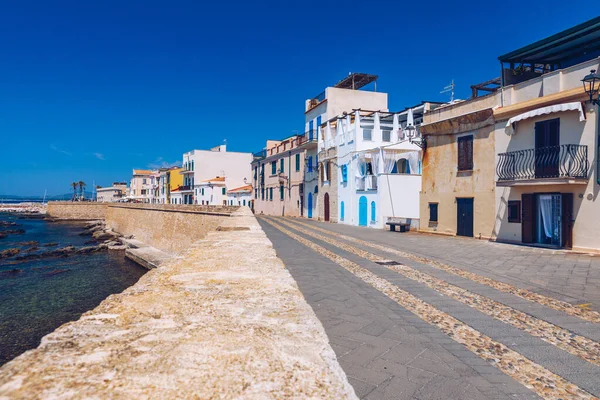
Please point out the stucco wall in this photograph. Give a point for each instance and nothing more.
(168, 227)
(585, 208)
(76, 210)
(443, 183)
(399, 196)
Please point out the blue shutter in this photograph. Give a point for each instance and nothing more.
(342, 211)
(318, 126)
(310, 130)
(373, 213)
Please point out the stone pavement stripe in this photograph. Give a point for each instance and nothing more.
(577, 345)
(583, 313)
(529, 374)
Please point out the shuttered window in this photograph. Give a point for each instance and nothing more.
(281, 192)
(465, 153)
(514, 211)
(433, 212)
(297, 162)
(273, 167)
(281, 165)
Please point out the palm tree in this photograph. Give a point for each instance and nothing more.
(81, 187)
(74, 185)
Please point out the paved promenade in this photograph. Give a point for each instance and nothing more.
(429, 317)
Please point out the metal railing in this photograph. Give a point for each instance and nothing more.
(564, 161)
(307, 137)
(316, 100)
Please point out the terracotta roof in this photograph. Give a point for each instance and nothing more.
(247, 188)
(142, 172)
(216, 179)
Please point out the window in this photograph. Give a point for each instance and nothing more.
(144, 181)
(244, 202)
(344, 173)
(309, 167)
(223, 191)
(465, 153)
(342, 211)
(271, 194)
(369, 168)
(373, 212)
(262, 193)
(281, 165)
(273, 167)
(297, 162)
(310, 130)
(281, 192)
(367, 134)
(514, 211)
(202, 191)
(433, 212)
(386, 135)
(328, 166)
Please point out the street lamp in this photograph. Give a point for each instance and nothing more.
(591, 85)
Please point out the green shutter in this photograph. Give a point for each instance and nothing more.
(297, 162)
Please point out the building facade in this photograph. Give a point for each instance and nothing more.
(546, 138)
(169, 180)
(356, 91)
(278, 177)
(113, 193)
(200, 166)
(141, 186)
(375, 166)
(241, 196)
(458, 189)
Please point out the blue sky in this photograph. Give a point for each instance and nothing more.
(90, 90)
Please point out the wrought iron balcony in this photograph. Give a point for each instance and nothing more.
(565, 161)
(308, 137)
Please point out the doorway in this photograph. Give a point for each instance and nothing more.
(309, 205)
(547, 219)
(362, 211)
(547, 140)
(464, 220)
(548, 216)
(326, 206)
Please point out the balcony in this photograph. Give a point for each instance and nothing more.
(315, 101)
(307, 139)
(185, 188)
(368, 183)
(567, 163)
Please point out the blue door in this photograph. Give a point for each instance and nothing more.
(310, 205)
(362, 211)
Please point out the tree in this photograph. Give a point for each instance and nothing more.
(74, 185)
(81, 188)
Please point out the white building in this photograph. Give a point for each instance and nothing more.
(200, 167)
(110, 194)
(241, 196)
(343, 97)
(378, 157)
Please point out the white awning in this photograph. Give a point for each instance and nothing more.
(575, 106)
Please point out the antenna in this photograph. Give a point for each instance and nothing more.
(449, 88)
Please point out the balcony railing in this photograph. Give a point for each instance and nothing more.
(315, 101)
(565, 161)
(308, 137)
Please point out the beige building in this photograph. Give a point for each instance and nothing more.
(546, 136)
(141, 187)
(457, 194)
(113, 193)
(278, 177)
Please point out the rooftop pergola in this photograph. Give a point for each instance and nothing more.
(356, 80)
(577, 44)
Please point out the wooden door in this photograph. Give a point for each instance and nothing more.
(326, 206)
(567, 220)
(547, 141)
(464, 209)
(527, 218)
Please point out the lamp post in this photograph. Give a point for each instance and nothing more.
(591, 85)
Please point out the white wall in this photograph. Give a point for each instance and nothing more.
(399, 195)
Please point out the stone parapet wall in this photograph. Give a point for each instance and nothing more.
(227, 320)
(76, 210)
(168, 227)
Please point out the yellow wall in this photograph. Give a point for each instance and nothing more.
(443, 183)
(176, 178)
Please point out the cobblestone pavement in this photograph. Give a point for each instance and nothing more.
(426, 317)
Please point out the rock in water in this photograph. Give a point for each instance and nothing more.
(9, 253)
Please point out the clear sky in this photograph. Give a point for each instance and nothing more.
(91, 89)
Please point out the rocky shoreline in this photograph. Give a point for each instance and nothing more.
(24, 208)
(101, 239)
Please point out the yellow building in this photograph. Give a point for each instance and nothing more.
(175, 178)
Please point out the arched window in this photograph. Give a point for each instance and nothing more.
(373, 212)
(316, 189)
(402, 166)
(342, 211)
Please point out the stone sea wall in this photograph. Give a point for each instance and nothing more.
(168, 227)
(76, 210)
(226, 320)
